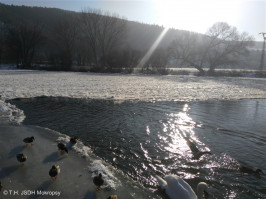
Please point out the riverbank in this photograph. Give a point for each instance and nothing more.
(32, 179)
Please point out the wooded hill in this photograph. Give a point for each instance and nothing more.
(63, 39)
(140, 36)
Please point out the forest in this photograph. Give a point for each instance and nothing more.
(98, 41)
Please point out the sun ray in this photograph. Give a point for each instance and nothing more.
(147, 56)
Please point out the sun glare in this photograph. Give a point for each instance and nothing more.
(195, 15)
(152, 48)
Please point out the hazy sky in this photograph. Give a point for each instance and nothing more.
(193, 15)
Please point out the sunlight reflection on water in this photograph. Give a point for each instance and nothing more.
(147, 139)
(178, 127)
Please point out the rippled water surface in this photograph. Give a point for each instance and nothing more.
(145, 139)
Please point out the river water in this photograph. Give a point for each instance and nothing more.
(144, 139)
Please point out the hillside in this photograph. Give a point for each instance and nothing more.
(46, 17)
(140, 36)
(136, 41)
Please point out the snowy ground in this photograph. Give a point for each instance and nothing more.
(78, 168)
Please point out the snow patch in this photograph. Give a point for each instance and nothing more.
(110, 180)
(79, 147)
(96, 167)
(10, 113)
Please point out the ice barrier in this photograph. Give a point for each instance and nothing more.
(10, 114)
(78, 167)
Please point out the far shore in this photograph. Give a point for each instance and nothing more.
(220, 72)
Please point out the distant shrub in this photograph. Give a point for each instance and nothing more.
(96, 69)
(234, 73)
(179, 72)
(260, 74)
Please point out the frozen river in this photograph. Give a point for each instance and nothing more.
(138, 123)
(24, 84)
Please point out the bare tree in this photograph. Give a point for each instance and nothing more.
(222, 45)
(22, 41)
(111, 33)
(83, 52)
(2, 39)
(157, 63)
(226, 45)
(103, 32)
(188, 50)
(124, 59)
(65, 35)
(90, 23)
(263, 51)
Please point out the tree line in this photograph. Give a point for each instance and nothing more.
(98, 40)
(85, 39)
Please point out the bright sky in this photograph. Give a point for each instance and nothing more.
(192, 15)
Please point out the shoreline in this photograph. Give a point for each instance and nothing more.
(24, 181)
(32, 179)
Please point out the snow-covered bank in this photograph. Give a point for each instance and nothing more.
(77, 168)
